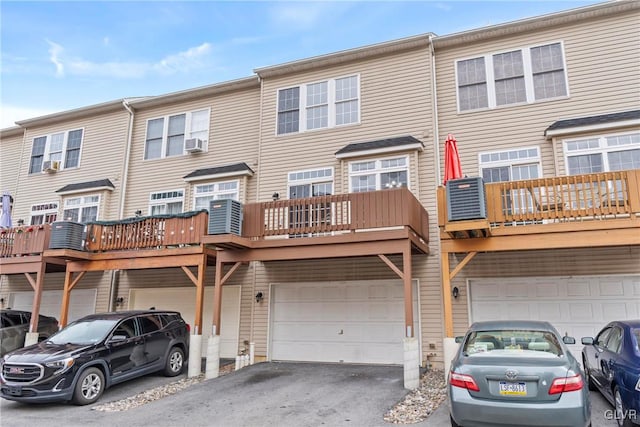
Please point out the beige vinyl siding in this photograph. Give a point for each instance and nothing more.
(233, 138)
(101, 157)
(9, 160)
(602, 67)
(561, 262)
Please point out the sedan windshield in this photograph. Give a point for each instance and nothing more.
(83, 332)
(484, 342)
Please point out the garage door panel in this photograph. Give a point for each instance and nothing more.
(359, 322)
(81, 303)
(547, 290)
(611, 288)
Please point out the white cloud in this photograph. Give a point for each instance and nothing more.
(443, 6)
(106, 41)
(301, 15)
(9, 114)
(181, 62)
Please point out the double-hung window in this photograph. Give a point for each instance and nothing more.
(166, 135)
(63, 148)
(523, 75)
(380, 174)
(44, 213)
(512, 165)
(81, 209)
(319, 105)
(603, 153)
(166, 202)
(205, 193)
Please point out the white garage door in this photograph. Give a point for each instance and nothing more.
(184, 301)
(578, 306)
(352, 322)
(81, 303)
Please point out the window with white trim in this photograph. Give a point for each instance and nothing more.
(166, 135)
(319, 105)
(62, 147)
(310, 183)
(519, 76)
(205, 193)
(380, 174)
(81, 209)
(512, 165)
(166, 202)
(603, 153)
(43, 213)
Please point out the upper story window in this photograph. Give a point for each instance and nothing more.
(319, 105)
(166, 202)
(519, 76)
(62, 149)
(378, 174)
(44, 213)
(603, 153)
(205, 193)
(81, 209)
(166, 135)
(310, 183)
(510, 165)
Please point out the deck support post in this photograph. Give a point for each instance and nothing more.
(37, 285)
(69, 283)
(195, 344)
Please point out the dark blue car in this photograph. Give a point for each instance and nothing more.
(612, 365)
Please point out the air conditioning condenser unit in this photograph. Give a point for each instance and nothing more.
(466, 199)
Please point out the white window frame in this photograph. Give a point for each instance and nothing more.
(47, 209)
(378, 170)
(48, 149)
(528, 77)
(603, 149)
(216, 193)
(187, 132)
(325, 179)
(84, 203)
(331, 103)
(164, 201)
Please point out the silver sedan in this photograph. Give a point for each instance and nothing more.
(517, 373)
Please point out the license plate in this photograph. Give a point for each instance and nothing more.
(15, 390)
(513, 389)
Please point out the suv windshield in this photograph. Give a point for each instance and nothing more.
(483, 342)
(84, 332)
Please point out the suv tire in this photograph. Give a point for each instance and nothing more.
(175, 362)
(89, 386)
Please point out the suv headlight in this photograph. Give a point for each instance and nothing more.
(61, 365)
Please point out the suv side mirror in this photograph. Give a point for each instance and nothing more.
(568, 340)
(587, 340)
(117, 338)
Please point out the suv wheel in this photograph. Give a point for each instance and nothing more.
(89, 387)
(175, 362)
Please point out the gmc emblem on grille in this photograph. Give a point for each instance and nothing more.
(16, 370)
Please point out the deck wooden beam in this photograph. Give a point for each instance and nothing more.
(37, 285)
(392, 265)
(446, 294)
(69, 284)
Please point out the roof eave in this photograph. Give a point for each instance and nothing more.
(591, 128)
(105, 107)
(385, 150)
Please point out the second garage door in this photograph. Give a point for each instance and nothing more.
(578, 306)
(351, 322)
(184, 300)
(81, 303)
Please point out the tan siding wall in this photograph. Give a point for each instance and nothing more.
(233, 138)
(102, 156)
(9, 163)
(596, 86)
(564, 262)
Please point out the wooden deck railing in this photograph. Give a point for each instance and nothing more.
(148, 232)
(24, 240)
(336, 213)
(604, 195)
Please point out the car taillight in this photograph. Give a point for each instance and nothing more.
(560, 385)
(188, 328)
(463, 381)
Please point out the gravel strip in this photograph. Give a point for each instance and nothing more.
(420, 403)
(155, 393)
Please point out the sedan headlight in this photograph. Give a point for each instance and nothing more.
(61, 365)
(638, 384)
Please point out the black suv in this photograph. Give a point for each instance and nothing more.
(91, 354)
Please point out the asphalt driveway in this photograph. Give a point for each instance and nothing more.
(265, 394)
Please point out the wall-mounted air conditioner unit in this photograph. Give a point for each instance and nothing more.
(466, 199)
(193, 145)
(50, 166)
(225, 217)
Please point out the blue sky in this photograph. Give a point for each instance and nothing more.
(56, 56)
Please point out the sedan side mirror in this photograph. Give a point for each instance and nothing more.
(117, 338)
(459, 339)
(587, 341)
(568, 340)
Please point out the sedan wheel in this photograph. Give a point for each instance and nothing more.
(175, 362)
(622, 417)
(89, 387)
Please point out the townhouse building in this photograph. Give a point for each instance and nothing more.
(348, 251)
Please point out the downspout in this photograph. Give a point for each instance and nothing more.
(253, 264)
(115, 274)
(434, 106)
